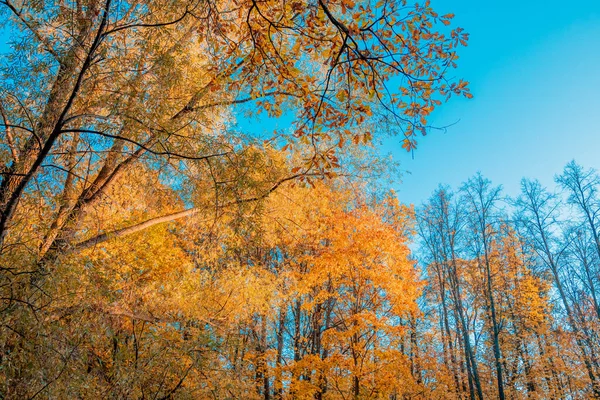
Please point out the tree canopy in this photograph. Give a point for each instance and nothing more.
(159, 240)
(156, 244)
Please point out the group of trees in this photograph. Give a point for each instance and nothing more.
(152, 245)
(309, 295)
(512, 287)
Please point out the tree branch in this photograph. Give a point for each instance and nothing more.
(86, 244)
(149, 150)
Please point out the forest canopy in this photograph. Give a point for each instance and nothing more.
(155, 244)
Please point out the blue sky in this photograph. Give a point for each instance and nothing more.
(533, 67)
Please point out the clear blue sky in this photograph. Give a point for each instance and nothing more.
(534, 68)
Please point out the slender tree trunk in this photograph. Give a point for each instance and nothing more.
(278, 385)
(495, 326)
(474, 381)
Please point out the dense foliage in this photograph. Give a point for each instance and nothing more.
(154, 244)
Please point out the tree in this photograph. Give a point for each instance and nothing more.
(482, 198)
(122, 83)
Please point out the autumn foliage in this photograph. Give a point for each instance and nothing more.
(160, 240)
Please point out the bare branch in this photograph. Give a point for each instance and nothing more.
(149, 150)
